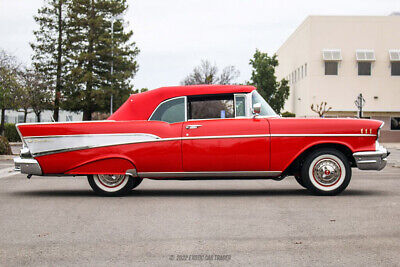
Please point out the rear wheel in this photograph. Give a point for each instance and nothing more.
(326, 172)
(112, 185)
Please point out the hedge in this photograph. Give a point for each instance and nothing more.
(288, 114)
(5, 148)
(10, 131)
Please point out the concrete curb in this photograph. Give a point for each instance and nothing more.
(7, 157)
(15, 143)
(391, 145)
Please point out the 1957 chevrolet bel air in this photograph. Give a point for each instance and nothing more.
(202, 132)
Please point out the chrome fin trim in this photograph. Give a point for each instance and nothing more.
(46, 145)
(322, 135)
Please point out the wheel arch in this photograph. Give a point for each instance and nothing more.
(110, 164)
(296, 164)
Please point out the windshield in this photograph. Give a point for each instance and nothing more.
(266, 110)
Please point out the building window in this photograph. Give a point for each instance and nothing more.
(331, 58)
(302, 72)
(364, 58)
(395, 68)
(331, 68)
(20, 118)
(394, 56)
(364, 68)
(68, 118)
(395, 123)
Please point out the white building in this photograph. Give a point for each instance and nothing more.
(13, 116)
(335, 58)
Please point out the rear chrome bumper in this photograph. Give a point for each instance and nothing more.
(27, 166)
(372, 160)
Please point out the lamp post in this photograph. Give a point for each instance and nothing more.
(113, 19)
(360, 102)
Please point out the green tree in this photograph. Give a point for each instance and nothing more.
(206, 73)
(142, 90)
(33, 93)
(263, 77)
(97, 43)
(49, 49)
(8, 84)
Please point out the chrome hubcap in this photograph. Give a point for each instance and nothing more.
(327, 172)
(111, 180)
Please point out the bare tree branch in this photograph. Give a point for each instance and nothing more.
(320, 109)
(206, 73)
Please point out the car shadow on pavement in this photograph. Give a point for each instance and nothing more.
(194, 193)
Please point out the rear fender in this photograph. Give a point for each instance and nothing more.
(108, 165)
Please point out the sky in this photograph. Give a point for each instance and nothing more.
(175, 35)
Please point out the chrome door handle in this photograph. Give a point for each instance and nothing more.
(192, 126)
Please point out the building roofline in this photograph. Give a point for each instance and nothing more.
(312, 17)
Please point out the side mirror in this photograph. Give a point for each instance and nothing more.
(256, 109)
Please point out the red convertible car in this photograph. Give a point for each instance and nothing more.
(202, 132)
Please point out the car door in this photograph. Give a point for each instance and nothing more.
(220, 137)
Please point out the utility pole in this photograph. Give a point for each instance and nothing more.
(360, 102)
(112, 64)
(113, 19)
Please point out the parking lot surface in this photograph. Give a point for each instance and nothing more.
(60, 221)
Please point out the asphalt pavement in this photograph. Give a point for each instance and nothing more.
(50, 221)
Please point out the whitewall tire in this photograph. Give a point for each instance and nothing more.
(112, 185)
(326, 172)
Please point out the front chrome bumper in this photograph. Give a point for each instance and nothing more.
(372, 160)
(27, 166)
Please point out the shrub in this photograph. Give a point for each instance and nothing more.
(10, 131)
(5, 148)
(288, 114)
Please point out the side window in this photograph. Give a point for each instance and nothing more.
(170, 111)
(240, 105)
(211, 107)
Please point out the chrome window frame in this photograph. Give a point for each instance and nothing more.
(234, 111)
(246, 111)
(167, 100)
(249, 95)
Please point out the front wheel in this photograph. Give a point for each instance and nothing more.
(326, 172)
(112, 185)
(299, 180)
